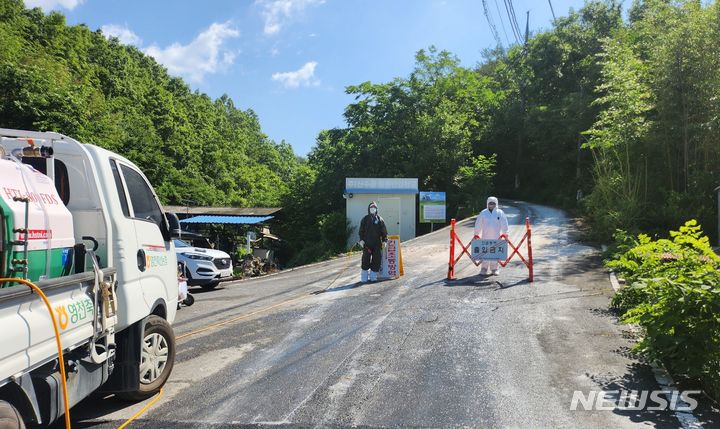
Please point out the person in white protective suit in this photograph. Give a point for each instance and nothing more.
(491, 223)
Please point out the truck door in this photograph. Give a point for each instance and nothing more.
(154, 253)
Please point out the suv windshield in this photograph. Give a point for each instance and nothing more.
(180, 243)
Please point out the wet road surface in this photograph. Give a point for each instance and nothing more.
(420, 351)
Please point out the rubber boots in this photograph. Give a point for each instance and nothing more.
(364, 276)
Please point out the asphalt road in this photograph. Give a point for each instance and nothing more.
(419, 351)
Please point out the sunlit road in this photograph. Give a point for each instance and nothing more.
(418, 351)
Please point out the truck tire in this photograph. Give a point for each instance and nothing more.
(10, 417)
(157, 357)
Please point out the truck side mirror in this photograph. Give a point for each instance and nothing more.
(173, 224)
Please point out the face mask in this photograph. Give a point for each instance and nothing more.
(373, 210)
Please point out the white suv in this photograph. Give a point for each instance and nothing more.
(203, 267)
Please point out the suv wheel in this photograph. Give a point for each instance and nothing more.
(211, 285)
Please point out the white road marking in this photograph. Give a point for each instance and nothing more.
(686, 418)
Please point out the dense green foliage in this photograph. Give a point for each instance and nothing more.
(193, 149)
(626, 113)
(656, 140)
(673, 293)
(426, 126)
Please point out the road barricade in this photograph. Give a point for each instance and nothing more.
(496, 247)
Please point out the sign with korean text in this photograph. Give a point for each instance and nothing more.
(392, 267)
(489, 249)
(432, 207)
(74, 312)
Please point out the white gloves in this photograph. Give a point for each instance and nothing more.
(361, 243)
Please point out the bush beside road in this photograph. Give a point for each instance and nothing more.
(673, 293)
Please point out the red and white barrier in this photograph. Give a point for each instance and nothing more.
(515, 250)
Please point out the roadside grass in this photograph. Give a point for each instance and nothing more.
(672, 292)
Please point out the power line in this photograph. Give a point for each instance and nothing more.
(513, 26)
(502, 23)
(510, 21)
(488, 16)
(515, 21)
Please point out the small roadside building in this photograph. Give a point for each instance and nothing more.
(396, 199)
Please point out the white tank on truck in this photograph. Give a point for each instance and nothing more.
(41, 228)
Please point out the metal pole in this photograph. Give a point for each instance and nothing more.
(529, 244)
(451, 265)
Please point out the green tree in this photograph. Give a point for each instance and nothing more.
(622, 125)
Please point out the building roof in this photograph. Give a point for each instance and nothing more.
(380, 185)
(227, 211)
(236, 220)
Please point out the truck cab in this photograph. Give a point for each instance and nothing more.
(117, 217)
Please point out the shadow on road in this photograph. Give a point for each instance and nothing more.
(638, 378)
(95, 406)
(200, 289)
(482, 282)
(349, 286)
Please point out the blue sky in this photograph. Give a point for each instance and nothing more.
(290, 60)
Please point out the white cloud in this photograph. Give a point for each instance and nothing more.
(276, 12)
(203, 55)
(122, 33)
(228, 58)
(304, 76)
(47, 5)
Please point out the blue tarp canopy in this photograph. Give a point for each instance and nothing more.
(237, 220)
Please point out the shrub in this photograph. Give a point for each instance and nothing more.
(673, 293)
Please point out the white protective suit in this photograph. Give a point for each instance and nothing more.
(490, 225)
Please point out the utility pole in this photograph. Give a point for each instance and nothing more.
(552, 10)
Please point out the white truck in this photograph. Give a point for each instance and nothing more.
(86, 227)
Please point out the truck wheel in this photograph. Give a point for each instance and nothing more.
(157, 357)
(10, 417)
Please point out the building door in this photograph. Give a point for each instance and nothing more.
(390, 211)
